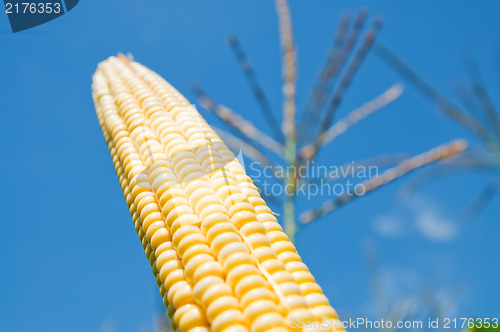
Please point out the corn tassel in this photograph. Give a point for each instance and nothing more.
(219, 255)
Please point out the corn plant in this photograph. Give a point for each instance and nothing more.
(317, 128)
(221, 259)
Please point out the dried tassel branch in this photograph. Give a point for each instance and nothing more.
(446, 167)
(289, 69)
(341, 126)
(434, 95)
(465, 97)
(426, 158)
(380, 162)
(238, 122)
(256, 88)
(336, 60)
(344, 84)
(485, 196)
(482, 96)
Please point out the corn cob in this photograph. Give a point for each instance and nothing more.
(219, 255)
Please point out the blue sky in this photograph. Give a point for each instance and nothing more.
(69, 255)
